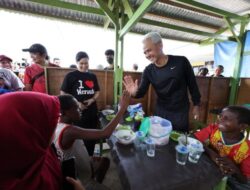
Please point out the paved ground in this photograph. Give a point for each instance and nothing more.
(112, 179)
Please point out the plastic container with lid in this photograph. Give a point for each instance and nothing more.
(160, 130)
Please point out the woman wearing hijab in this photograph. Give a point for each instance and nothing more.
(28, 121)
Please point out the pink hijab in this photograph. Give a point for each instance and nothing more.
(27, 124)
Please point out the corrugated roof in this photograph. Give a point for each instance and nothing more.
(165, 16)
(189, 15)
(234, 6)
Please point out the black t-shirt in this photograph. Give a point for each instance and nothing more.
(171, 83)
(82, 85)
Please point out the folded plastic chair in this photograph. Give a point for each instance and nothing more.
(222, 185)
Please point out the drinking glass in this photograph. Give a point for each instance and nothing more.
(181, 154)
(150, 147)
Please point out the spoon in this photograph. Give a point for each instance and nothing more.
(186, 139)
(126, 137)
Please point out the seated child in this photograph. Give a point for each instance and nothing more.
(68, 140)
(227, 146)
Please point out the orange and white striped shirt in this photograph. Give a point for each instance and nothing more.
(238, 152)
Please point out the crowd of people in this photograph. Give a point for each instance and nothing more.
(203, 72)
(30, 76)
(45, 130)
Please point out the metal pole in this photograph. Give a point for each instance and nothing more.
(235, 81)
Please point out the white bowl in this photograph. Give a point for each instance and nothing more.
(125, 136)
(181, 141)
(107, 112)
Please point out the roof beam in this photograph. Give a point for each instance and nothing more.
(107, 21)
(48, 15)
(209, 40)
(172, 38)
(136, 16)
(211, 9)
(195, 24)
(80, 21)
(128, 8)
(70, 6)
(194, 9)
(107, 11)
(222, 30)
(129, 11)
(232, 29)
(182, 29)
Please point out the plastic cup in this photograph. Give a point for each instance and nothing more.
(150, 147)
(139, 139)
(181, 154)
(195, 151)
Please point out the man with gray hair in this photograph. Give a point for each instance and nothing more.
(170, 76)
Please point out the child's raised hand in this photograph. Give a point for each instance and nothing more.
(130, 85)
(124, 101)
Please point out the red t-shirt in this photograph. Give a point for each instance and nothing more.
(238, 152)
(32, 71)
